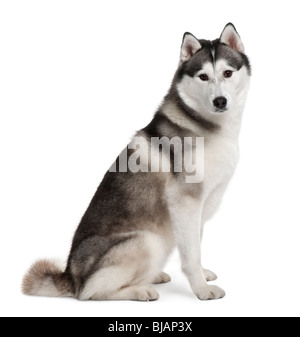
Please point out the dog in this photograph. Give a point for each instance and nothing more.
(138, 216)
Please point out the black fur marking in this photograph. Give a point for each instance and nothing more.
(234, 58)
(158, 125)
(162, 126)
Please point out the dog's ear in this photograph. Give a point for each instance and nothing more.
(190, 46)
(231, 37)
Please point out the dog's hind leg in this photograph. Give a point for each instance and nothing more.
(162, 278)
(127, 270)
(117, 283)
(136, 293)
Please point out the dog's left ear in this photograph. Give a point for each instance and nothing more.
(231, 37)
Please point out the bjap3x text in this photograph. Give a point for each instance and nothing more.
(156, 327)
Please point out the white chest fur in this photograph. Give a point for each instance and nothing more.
(221, 156)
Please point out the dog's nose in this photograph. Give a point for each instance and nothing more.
(220, 102)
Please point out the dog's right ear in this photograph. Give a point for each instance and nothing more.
(190, 46)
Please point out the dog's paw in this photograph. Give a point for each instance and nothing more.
(210, 293)
(146, 294)
(162, 278)
(209, 275)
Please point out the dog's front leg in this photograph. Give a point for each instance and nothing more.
(187, 224)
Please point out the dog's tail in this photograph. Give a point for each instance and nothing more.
(47, 278)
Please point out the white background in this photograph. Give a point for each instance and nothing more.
(77, 78)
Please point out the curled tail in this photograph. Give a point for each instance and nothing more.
(47, 278)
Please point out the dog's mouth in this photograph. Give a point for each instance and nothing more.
(220, 111)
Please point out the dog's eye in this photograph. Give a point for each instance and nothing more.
(204, 77)
(228, 73)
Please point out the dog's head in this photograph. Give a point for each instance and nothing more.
(213, 76)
